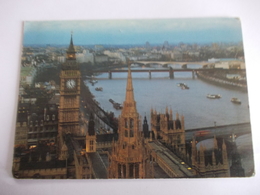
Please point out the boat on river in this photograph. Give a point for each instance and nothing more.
(183, 86)
(93, 81)
(235, 100)
(180, 84)
(213, 96)
(116, 105)
(99, 89)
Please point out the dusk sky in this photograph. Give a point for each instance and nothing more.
(155, 31)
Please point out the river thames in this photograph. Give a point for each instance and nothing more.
(161, 92)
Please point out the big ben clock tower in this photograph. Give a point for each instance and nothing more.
(69, 95)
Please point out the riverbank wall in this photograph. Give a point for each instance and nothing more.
(221, 82)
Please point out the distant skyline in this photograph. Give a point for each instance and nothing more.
(117, 32)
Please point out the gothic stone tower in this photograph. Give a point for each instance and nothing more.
(69, 95)
(210, 162)
(168, 130)
(129, 157)
(91, 136)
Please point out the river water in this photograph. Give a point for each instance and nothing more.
(199, 111)
(161, 92)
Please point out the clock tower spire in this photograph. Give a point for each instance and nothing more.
(71, 53)
(69, 95)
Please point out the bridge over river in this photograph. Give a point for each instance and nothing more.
(223, 131)
(169, 70)
(163, 63)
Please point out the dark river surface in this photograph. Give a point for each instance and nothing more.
(161, 92)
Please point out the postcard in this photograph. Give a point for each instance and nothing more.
(122, 99)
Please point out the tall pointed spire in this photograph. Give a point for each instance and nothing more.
(129, 103)
(71, 53)
(129, 159)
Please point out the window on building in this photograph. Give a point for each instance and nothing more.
(124, 145)
(119, 171)
(53, 117)
(136, 170)
(124, 171)
(126, 123)
(131, 123)
(131, 170)
(178, 139)
(131, 133)
(126, 133)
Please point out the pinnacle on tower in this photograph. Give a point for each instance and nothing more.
(71, 46)
(129, 103)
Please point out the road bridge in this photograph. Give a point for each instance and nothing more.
(170, 70)
(163, 63)
(223, 131)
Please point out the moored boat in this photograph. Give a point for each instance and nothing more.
(213, 96)
(93, 81)
(99, 89)
(180, 84)
(236, 100)
(116, 105)
(183, 86)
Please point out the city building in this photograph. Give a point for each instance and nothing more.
(115, 56)
(100, 58)
(85, 57)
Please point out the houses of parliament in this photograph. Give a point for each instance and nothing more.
(60, 141)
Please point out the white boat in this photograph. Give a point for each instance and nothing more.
(236, 100)
(180, 84)
(213, 96)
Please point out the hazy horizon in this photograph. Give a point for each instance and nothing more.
(133, 32)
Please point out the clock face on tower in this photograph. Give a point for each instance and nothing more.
(70, 84)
